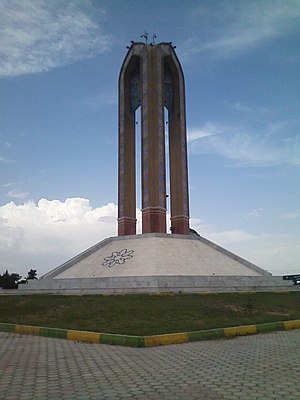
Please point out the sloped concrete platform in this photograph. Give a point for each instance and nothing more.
(155, 255)
(156, 263)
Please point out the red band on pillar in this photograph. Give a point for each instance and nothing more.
(154, 220)
(126, 226)
(180, 225)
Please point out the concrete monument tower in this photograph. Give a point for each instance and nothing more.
(151, 78)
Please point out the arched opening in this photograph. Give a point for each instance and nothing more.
(138, 174)
(167, 158)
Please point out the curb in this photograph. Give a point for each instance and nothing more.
(149, 341)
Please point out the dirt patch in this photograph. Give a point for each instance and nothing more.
(280, 314)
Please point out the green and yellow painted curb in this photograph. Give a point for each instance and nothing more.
(149, 341)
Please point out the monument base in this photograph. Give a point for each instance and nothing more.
(156, 263)
(158, 284)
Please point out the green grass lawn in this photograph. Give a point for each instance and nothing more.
(141, 314)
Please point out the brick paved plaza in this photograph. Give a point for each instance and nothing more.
(264, 366)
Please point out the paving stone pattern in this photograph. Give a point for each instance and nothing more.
(263, 366)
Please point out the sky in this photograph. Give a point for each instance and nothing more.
(59, 67)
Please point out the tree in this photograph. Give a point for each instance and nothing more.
(9, 281)
(32, 274)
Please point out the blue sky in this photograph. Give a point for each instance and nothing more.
(59, 66)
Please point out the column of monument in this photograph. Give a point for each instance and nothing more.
(151, 78)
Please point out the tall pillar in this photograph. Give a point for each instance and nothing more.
(175, 103)
(153, 144)
(151, 77)
(127, 182)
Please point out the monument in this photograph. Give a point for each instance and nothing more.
(151, 78)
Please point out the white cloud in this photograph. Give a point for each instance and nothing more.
(17, 194)
(223, 237)
(209, 129)
(39, 35)
(290, 215)
(45, 234)
(240, 107)
(4, 160)
(277, 253)
(234, 26)
(264, 146)
(256, 213)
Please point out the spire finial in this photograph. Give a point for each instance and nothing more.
(145, 36)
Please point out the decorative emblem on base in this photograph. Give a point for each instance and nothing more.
(117, 257)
